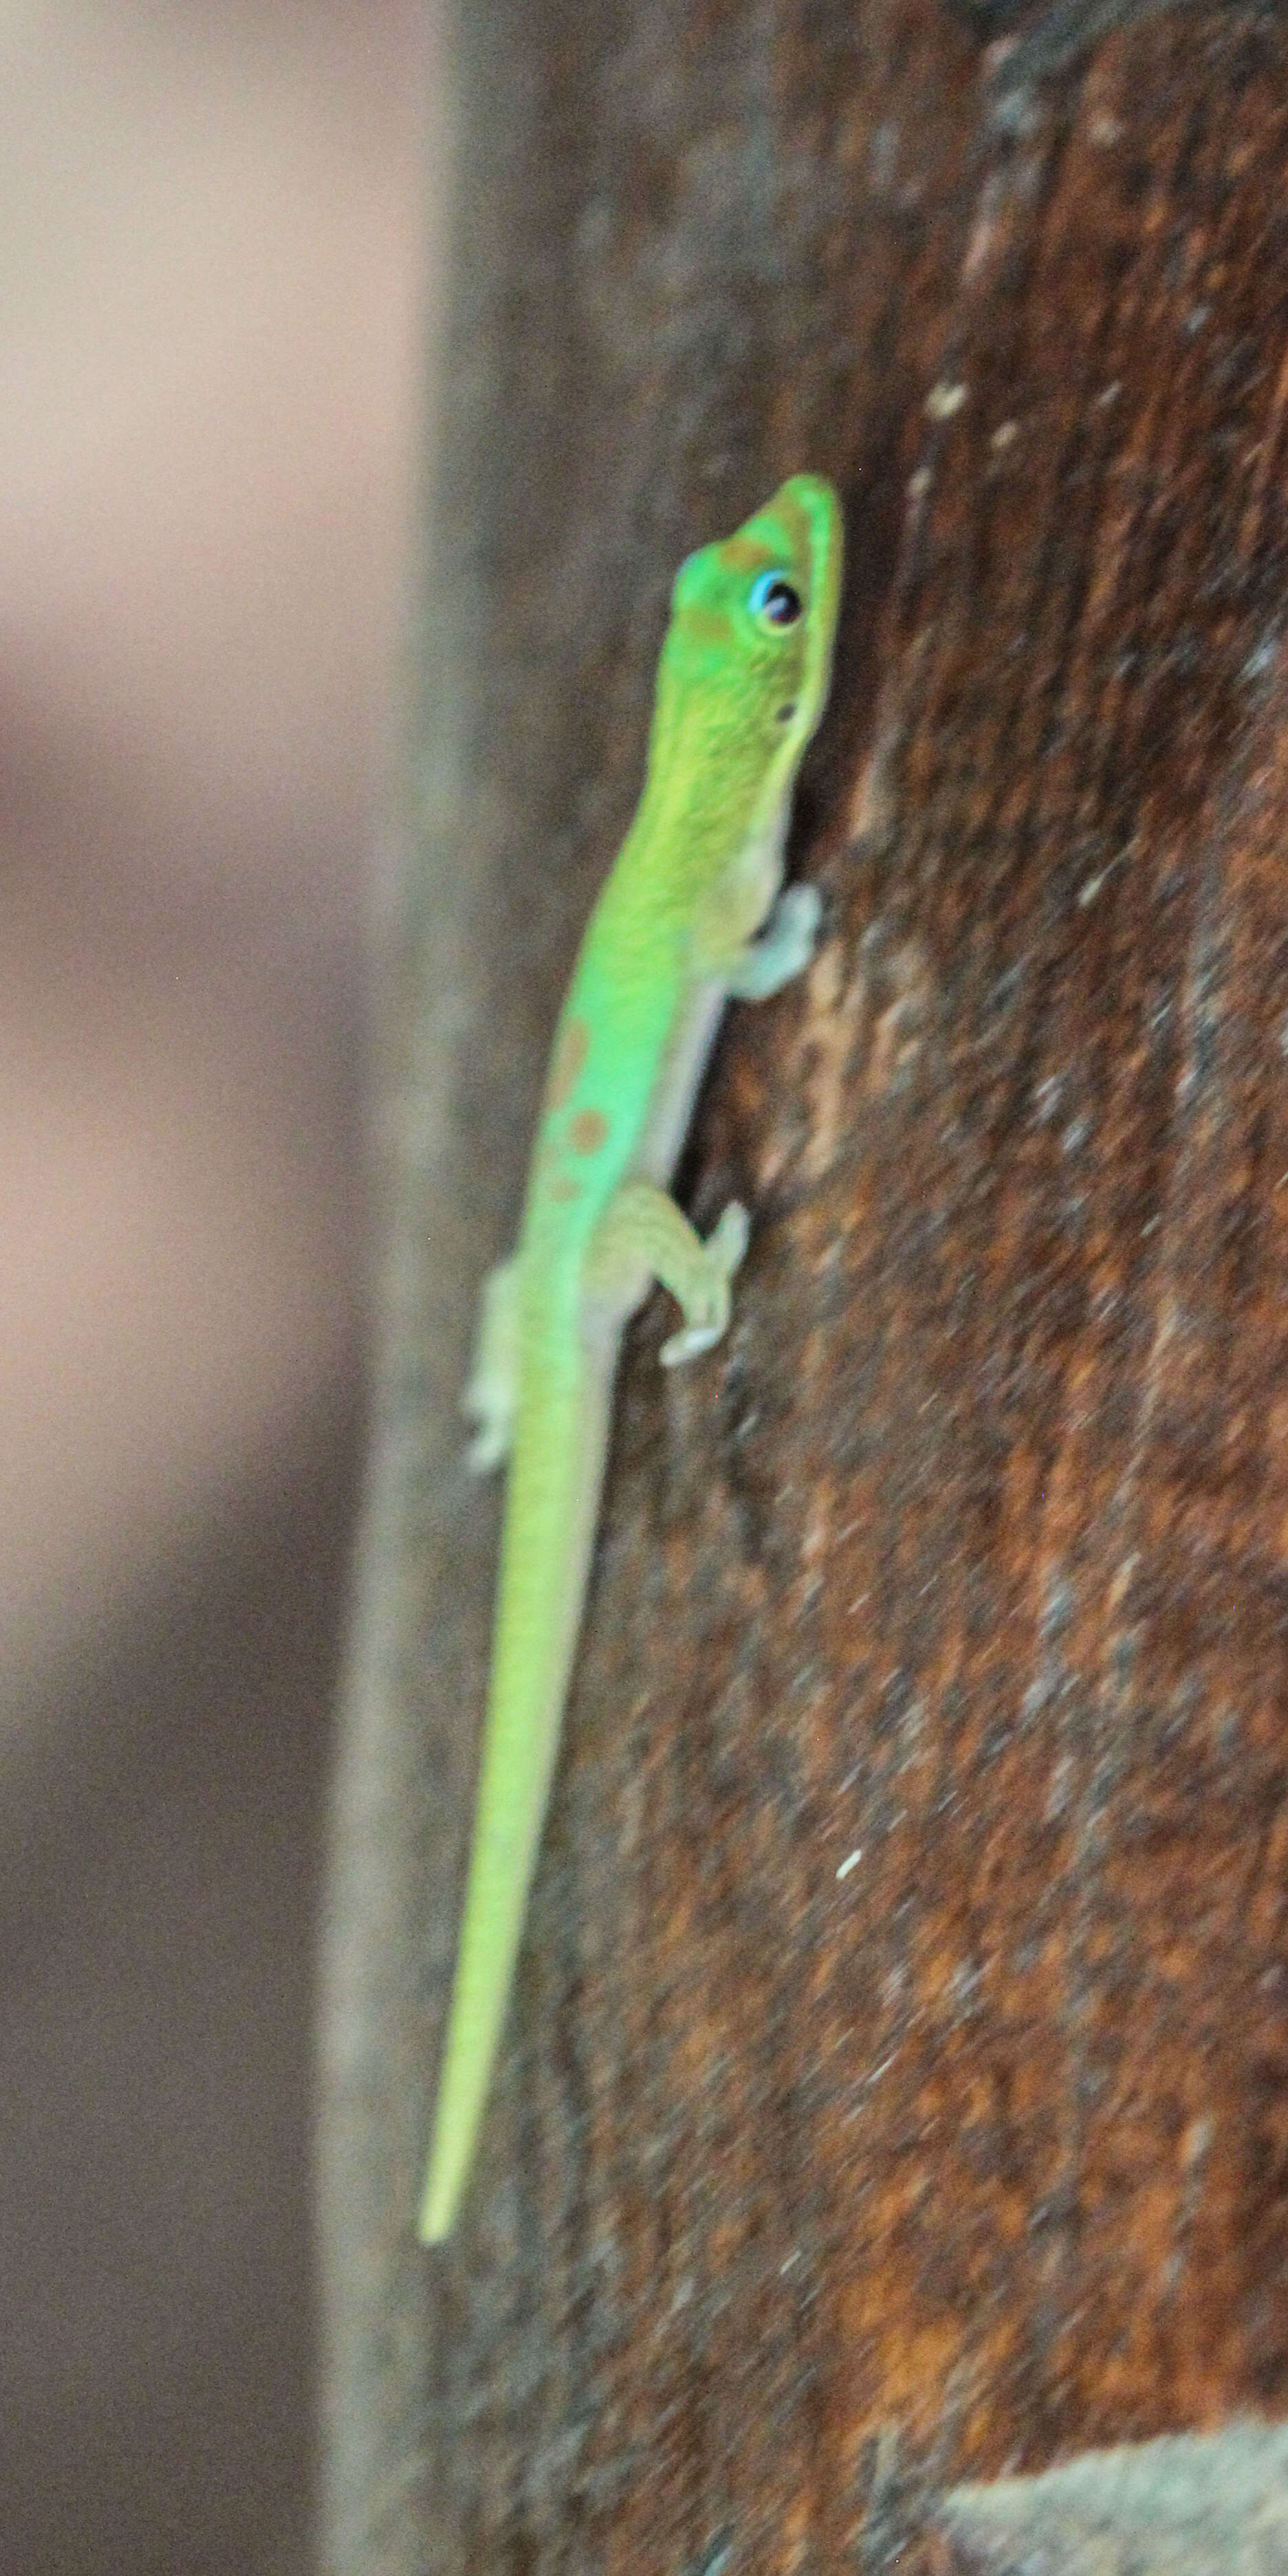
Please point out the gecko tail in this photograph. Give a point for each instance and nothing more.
(502, 1865)
(511, 1812)
(551, 1508)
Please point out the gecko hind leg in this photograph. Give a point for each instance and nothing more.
(781, 950)
(643, 1235)
(489, 1399)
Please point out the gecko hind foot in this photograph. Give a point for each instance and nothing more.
(489, 1399)
(705, 1300)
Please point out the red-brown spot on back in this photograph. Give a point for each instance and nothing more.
(571, 1049)
(588, 1131)
(565, 1190)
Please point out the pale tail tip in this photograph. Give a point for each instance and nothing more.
(437, 2214)
(441, 2199)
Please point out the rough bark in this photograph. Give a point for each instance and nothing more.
(896, 2088)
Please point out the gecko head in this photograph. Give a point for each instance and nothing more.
(753, 619)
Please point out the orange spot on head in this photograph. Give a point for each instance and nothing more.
(741, 553)
(571, 1049)
(588, 1131)
(705, 625)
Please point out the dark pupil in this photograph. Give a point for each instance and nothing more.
(781, 604)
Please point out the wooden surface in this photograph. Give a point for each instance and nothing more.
(896, 2092)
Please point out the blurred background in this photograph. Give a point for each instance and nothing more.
(219, 258)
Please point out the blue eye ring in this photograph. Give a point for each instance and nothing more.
(775, 599)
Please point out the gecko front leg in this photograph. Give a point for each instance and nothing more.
(643, 1236)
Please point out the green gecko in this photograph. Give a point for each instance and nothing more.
(741, 685)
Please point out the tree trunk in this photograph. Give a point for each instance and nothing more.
(895, 2089)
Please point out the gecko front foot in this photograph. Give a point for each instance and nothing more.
(782, 950)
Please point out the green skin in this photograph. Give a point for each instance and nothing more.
(741, 685)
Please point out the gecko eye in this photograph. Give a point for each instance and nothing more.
(775, 599)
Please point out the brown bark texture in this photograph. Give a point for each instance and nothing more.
(896, 2091)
